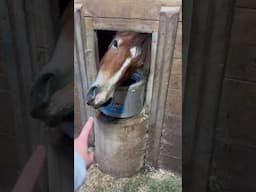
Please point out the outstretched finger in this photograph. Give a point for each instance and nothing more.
(87, 128)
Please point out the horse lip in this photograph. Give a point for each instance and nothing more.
(102, 101)
(102, 104)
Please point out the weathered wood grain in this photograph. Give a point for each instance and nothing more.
(166, 41)
(170, 156)
(234, 166)
(211, 24)
(236, 121)
(126, 8)
(244, 27)
(176, 66)
(80, 74)
(77, 114)
(120, 144)
(174, 101)
(178, 43)
(172, 125)
(118, 24)
(241, 63)
(235, 130)
(165, 162)
(12, 74)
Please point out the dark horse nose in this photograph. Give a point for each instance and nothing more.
(93, 91)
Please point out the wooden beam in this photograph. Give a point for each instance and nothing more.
(117, 24)
(81, 72)
(127, 9)
(166, 41)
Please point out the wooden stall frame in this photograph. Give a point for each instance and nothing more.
(144, 26)
(79, 62)
(163, 38)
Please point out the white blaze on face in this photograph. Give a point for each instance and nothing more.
(120, 41)
(110, 85)
(99, 80)
(119, 74)
(133, 51)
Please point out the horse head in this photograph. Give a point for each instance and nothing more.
(52, 92)
(125, 54)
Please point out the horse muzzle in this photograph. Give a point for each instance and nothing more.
(98, 97)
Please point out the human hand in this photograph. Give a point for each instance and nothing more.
(81, 143)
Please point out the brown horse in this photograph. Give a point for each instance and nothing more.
(126, 53)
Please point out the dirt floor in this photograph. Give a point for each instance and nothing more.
(150, 180)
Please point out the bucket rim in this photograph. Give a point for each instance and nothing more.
(136, 84)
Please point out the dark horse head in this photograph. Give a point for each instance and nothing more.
(52, 93)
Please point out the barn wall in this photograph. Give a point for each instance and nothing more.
(170, 156)
(8, 161)
(235, 132)
(35, 26)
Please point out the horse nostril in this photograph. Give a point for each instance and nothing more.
(93, 91)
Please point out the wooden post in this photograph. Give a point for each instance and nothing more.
(120, 144)
(166, 41)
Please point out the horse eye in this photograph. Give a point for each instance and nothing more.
(115, 44)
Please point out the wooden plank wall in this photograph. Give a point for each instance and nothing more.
(9, 161)
(209, 38)
(235, 132)
(18, 71)
(170, 156)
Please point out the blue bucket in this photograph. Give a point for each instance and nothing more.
(128, 99)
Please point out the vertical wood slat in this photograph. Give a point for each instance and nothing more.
(166, 41)
(19, 69)
(235, 130)
(10, 59)
(81, 69)
(152, 72)
(79, 63)
(211, 26)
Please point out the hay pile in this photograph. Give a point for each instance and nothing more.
(150, 180)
